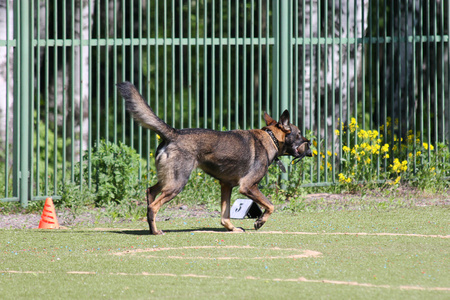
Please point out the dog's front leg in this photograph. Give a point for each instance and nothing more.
(255, 194)
(225, 208)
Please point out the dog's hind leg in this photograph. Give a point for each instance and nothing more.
(225, 208)
(151, 195)
(255, 194)
(171, 183)
(154, 207)
(152, 192)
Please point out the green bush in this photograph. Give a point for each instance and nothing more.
(114, 173)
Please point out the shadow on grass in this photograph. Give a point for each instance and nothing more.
(147, 232)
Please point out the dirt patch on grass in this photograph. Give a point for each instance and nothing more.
(377, 200)
(96, 216)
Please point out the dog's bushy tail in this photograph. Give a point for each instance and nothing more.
(142, 113)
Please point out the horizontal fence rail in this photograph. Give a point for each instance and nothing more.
(354, 75)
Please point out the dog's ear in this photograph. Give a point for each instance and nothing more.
(269, 120)
(284, 122)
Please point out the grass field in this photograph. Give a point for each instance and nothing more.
(397, 254)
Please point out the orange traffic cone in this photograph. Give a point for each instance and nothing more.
(48, 218)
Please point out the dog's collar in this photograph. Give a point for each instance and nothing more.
(274, 139)
(277, 145)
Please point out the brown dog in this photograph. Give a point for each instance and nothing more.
(236, 158)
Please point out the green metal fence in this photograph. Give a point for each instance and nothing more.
(219, 65)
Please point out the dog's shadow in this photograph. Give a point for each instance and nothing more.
(193, 230)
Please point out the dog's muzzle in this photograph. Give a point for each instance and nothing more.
(303, 150)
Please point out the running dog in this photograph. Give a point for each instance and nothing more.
(235, 158)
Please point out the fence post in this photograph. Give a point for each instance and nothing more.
(281, 76)
(22, 100)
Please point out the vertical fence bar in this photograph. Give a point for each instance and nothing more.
(442, 66)
(89, 149)
(244, 64)
(197, 65)
(399, 66)
(333, 94)
(181, 71)
(229, 66)
(115, 79)
(407, 47)
(221, 111)
(173, 50)
(80, 83)
(252, 64)
(140, 75)
(268, 22)
(428, 78)
(38, 102)
(189, 21)
(236, 104)
(414, 42)
(22, 62)
(106, 70)
(447, 124)
(319, 105)
(325, 91)
(283, 56)
(124, 63)
(212, 101)
(260, 108)
(205, 65)
(275, 62)
(156, 62)
(71, 82)
(435, 71)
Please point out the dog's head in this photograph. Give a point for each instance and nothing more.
(297, 145)
(294, 143)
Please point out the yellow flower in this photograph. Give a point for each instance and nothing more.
(363, 134)
(368, 160)
(158, 137)
(315, 152)
(345, 149)
(375, 149)
(410, 155)
(373, 134)
(418, 153)
(385, 148)
(353, 126)
(336, 132)
(396, 180)
(343, 179)
(329, 153)
(425, 145)
(315, 143)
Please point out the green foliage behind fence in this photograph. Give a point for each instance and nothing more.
(220, 65)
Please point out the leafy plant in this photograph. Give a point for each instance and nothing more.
(115, 173)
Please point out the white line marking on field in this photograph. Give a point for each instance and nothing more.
(301, 253)
(341, 233)
(299, 279)
(295, 233)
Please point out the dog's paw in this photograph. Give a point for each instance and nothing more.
(258, 224)
(238, 229)
(157, 232)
